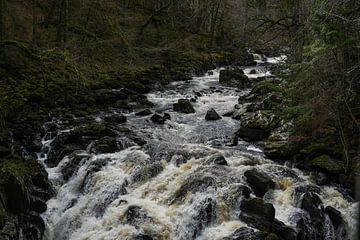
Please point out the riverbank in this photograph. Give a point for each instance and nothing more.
(40, 86)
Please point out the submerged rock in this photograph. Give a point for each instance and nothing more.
(259, 181)
(183, 106)
(217, 159)
(136, 216)
(212, 115)
(145, 112)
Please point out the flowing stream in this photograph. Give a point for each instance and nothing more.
(169, 188)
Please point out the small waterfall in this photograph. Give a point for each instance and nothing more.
(170, 187)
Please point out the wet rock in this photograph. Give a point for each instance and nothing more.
(212, 115)
(70, 167)
(229, 114)
(183, 106)
(204, 217)
(193, 100)
(37, 204)
(253, 71)
(210, 73)
(156, 118)
(167, 116)
(198, 94)
(256, 213)
(217, 159)
(145, 112)
(245, 233)
(105, 145)
(143, 237)
(335, 216)
(257, 126)
(326, 164)
(115, 119)
(234, 78)
(136, 216)
(259, 181)
(194, 184)
(283, 231)
(320, 179)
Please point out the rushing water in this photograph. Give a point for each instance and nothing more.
(168, 188)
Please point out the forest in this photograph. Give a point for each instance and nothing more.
(179, 119)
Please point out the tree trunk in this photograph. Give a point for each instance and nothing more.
(2, 20)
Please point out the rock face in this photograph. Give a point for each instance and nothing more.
(259, 182)
(212, 115)
(234, 78)
(24, 190)
(183, 106)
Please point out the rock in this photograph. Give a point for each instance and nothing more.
(145, 112)
(37, 204)
(257, 126)
(283, 231)
(320, 178)
(245, 233)
(335, 216)
(105, 145)
(167, 116)
(256, 213)
(70, 167)
(115, 119)
(326, 164)
(212, 115)
(193, 100)
(136, 216)
(210, 73)
(229, 114)
(143, 237)
(311, 202)
(198, 94)
(183, 106)
(156, 118)
(205, 215)
(253, 71)
(217, 159)
(259, 181)
(234, 78)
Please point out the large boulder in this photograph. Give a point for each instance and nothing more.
(259, 181)
(257, 126)
(257, 213)
(234, 78)
(212, 115)
(183, 106)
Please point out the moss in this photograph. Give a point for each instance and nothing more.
(327, 164)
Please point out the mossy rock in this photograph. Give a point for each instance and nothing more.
(315, 149)
(327, 164)
(234, 78)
